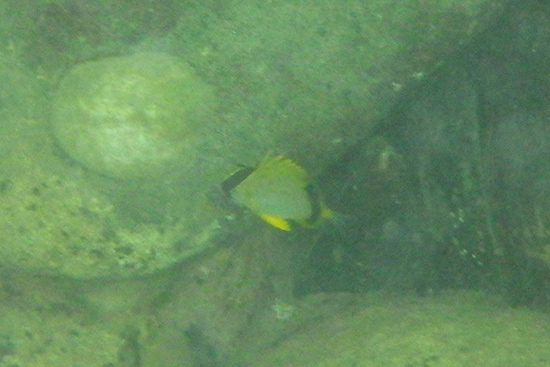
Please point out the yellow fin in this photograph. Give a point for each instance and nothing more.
(276, 222)
(282, 165)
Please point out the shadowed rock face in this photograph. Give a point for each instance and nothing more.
(470, 206)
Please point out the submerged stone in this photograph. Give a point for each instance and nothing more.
(132, 116)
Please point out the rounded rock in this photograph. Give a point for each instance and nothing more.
(132, 117)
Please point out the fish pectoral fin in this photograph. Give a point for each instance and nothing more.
(276, 222)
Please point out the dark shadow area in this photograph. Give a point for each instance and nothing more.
(452, 189)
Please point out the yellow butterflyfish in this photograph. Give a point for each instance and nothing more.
(280, 192)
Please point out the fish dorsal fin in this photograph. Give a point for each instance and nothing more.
(284, 165)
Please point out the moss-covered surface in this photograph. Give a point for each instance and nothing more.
(449, 330)
(309, 79)
(45, 335)
(55, 222)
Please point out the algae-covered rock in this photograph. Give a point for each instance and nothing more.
(131, 116)
(56, 226)
(54, 221)
(451, 330)
(44, 324)
(309, 80)
(44, 337)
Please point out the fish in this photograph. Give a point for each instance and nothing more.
(280, 191)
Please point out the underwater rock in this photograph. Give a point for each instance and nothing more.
(377, 331)
(59, 225)
(131, 116)
(55, 335)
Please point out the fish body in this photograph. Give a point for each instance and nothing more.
(280, 192)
